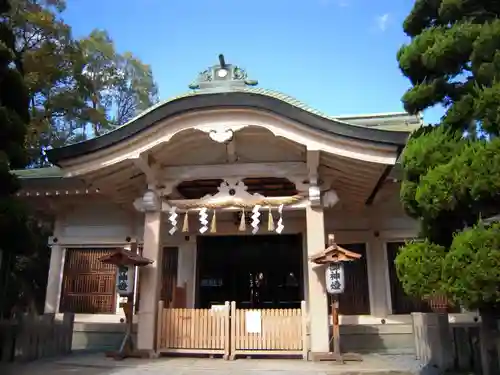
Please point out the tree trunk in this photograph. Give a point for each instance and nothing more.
(489, 333)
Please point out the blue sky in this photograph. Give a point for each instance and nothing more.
(336, 55)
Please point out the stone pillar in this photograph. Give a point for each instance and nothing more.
(150, 279)
(432, 335)
(56, 271)
(317, 298)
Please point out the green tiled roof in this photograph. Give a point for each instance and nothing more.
(47, 172)
(390, 122)
(286, 99)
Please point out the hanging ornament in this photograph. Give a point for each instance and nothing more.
(203, 220)
(243, 222)
(213, 225)
(173, 220)
(270, 221)
(255, 219)
(280, 226)
(185, 224)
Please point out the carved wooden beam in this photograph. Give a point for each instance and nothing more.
(237, 170)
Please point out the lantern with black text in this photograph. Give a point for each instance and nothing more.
(333, 257)
(335, 278)
(127, 261)
(125, 280)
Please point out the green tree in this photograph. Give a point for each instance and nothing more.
(50, 62)
(14, 117)
(78, 88)
(135, 90)
(45, 55)
(65, 101)
(452, 170)
(116, 86)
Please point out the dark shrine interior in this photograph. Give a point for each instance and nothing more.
(257, 271)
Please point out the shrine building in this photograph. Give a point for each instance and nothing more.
(229, 189)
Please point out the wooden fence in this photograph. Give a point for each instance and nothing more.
(231, 331)
(34, 337)
(193, 331)
(268, 331)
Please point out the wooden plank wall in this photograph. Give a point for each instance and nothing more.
(356, 298)
(169, 275)
(170, 260)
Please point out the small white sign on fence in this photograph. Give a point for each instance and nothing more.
(253, 321)
(217, 308)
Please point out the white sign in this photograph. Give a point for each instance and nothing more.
(217, 308)
(125, 279)
(253, 321)
(335, 278)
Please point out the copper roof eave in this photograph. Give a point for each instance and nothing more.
(232, 100)
(122, 257)
(334, 251)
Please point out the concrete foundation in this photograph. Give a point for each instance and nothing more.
(366, 339)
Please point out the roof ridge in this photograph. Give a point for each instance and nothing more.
(261, 91)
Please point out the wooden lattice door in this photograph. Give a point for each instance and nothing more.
(88, 284)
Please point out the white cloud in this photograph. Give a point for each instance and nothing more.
(382, 21)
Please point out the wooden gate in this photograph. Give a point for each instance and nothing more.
(230, 331)
(193, 331)
(268, 331)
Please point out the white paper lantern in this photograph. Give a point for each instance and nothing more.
(335, 278)
(125, 280)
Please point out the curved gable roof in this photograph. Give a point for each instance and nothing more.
(235, 98)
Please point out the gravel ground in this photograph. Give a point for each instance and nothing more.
(98, 365)
(410, 364)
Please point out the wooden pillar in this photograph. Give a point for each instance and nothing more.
(150, 279)
(379, 286)
(186, 274)
(55, 277)
(317, 297)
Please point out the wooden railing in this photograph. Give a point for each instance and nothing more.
(229, 331)
(204, 331)
(28, 338)
(268, 331)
